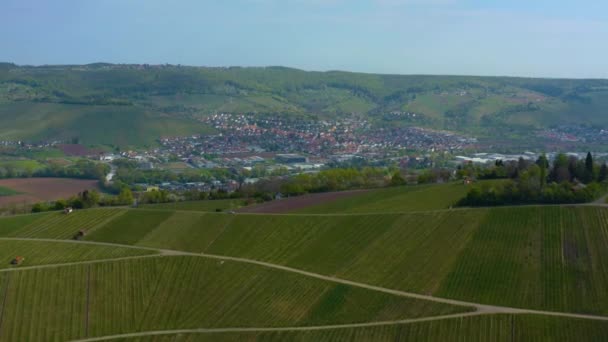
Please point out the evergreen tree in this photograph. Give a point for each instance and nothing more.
(603, 176)
(543, 164)
(588, 175)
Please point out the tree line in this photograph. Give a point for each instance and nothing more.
(567, 180)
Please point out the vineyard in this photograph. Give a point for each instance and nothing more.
(208, 205)
(399, 199)
(141, 270)
(47, 253)
(142, 294)
(452, 254)
(499, 328)
(58, 225)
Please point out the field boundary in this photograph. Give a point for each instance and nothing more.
(4, 297)
(480, 308)
(430, 211)
(73, 263)
(106, 221)
(88, 302)
(278, 329)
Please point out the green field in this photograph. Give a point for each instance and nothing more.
(56, 225)
(47, 253)
(478, 328)
(183, 292)
(21, 164)
(4, 191)
(550, 257)
(308, 270)
(398, 199)
(92, 124)
(210, 205)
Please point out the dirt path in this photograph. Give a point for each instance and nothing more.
(596, 203)
(303, 328)
(600, 201)
(480, 308)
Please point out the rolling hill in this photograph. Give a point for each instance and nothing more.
(133, 105)
(164, 274)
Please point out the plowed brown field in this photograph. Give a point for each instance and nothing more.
(43, 189)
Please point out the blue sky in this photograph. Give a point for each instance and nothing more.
(558, 38)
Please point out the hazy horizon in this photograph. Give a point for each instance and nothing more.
(305, 70)
(549, 39)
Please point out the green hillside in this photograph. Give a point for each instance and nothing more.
(554, 251)
(207, 205)
(395, 199)
(135, 104)
(185, 275)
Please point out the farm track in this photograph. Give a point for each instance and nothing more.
(278, 329)
(480, 308)
(431, 211)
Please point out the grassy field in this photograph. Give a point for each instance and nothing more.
(21, 164)
(210, 205)
(183, 292)
(399, 199)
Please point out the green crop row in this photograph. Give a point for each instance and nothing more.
(551, 258)
(56, 225)
(499, 328)
(183, 292)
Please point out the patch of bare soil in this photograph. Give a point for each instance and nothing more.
(290, 204)
(43, 189)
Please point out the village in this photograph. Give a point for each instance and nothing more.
(249, 148)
